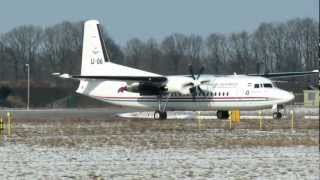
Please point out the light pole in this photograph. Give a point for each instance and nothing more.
(28, 98)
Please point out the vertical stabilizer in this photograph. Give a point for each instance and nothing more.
(94, 53)
(95, 58)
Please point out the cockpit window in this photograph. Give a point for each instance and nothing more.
(267, 85)
(256, 85)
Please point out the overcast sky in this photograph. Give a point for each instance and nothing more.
(126, 19)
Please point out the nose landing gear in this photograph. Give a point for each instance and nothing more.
(277, 115)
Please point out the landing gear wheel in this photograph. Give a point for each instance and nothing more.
(222, 114)
(163, 115)
(158, 115)
(277, 115)
(219, 114)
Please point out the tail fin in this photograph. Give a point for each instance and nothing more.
(95, 58)
(94, 52)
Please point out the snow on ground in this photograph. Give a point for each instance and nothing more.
(92, 144)
(117, 162)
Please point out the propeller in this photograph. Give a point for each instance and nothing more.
(196, 83)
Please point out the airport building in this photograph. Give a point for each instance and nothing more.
(311, 98)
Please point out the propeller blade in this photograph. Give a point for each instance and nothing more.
(188, 84)
(201, 91)
(191, 72)
(193, 92)
(200, 72)
(204, 81)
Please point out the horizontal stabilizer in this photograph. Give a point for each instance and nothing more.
(63, 76)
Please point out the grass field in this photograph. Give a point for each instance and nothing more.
(164, 134)
(119, 148)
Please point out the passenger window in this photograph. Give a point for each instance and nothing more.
(223, 94)
(256, 85)
(219, 93)
(227, 93)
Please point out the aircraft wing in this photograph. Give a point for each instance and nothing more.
(155, 80)
(286, 74)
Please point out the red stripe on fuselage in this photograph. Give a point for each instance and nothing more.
(175, 97)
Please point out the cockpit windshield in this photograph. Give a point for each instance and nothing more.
(265, 85)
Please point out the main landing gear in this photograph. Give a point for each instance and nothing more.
(222, 114)
(161, 113)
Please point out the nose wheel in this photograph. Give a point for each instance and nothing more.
(277, 115)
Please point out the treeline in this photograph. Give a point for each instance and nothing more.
(287, 46)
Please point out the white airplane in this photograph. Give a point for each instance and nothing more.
(125, 86)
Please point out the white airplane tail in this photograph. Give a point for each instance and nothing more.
(94, 53)
(96, 66)
(95, 57)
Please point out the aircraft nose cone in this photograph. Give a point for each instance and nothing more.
(289, 96)
(285, 96)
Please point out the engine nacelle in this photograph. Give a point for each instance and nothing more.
(142, 88)
(134, 87)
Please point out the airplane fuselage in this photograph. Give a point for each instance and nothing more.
(221, 93)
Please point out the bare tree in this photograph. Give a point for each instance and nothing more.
(194, 50)
(216, 52)
(174, 48)
(153, 55)
(22, 46)
(62, 47)
(135, 52)
(262, 45)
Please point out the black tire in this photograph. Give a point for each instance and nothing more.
(277, 115)
(220, 114)
(157, 115)
(163, 115)
(225, 114)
